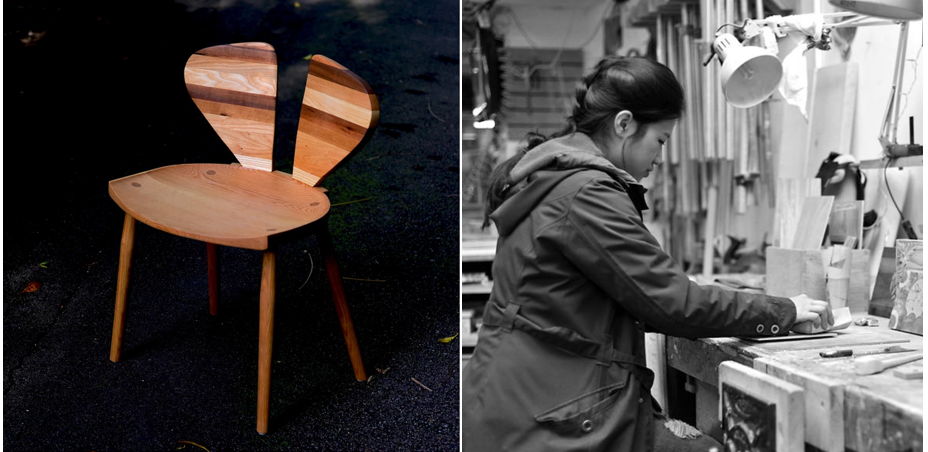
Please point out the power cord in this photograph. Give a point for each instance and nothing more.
(906, 224)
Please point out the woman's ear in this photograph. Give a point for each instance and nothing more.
(624, 124)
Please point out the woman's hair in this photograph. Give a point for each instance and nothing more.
(646, 88)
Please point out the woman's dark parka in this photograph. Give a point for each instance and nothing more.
(577, 278)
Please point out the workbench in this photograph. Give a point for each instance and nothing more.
(842, 409)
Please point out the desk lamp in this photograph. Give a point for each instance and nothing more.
(752, 73)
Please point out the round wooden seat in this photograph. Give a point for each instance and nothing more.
(217, 203)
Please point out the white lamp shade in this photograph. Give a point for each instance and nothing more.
(887, 9)
(749, 74)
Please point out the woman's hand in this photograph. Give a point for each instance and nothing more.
(812, 316)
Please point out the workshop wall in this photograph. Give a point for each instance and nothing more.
(577, 25)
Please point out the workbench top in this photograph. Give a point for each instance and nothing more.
(803, 355)
(874, 411)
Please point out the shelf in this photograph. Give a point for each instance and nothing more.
(469, 340)
(478, 250)
(476, 289)
(898, 162)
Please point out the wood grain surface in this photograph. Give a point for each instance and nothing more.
(339, 110)
(831, 114)
(792, 272)
(880, 412)
(874, 423)
(813, 221)
(790, 194)
(858, 288)
(266, 338)
(221, 204)
(341, 305)
(823, 400)
(235, 87)
(122, 287)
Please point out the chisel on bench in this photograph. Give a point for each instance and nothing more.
(876, 364)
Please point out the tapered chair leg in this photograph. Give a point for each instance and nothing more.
(265, 339)
(212, 271)
(122, 287)
(341, 305)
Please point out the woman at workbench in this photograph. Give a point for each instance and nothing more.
(578, 279)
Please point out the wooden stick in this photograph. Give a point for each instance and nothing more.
(660, 39)
(711, 85)
(265, 339)
(671, 155)
(768, 156)
(191, 443)
(685, 183)
(212, 272)
(707, 253)
(696, 86)
(705, 8)
(725, 195)
(730, 126)
(420, 384)
(692, 147)
(341, 304)
(350, 202)
(363, 279)
(122, 287)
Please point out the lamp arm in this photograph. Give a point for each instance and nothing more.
(888, 132)
(864, 21)
(786, 24)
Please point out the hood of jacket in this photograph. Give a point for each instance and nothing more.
(543, 167)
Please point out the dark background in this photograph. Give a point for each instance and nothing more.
(94, 91)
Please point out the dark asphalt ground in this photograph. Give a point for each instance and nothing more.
(96, 92)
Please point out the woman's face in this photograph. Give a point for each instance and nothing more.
(635, 147)
(644, 151)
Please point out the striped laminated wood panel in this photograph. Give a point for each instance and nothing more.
(538, 95)
(235, 87)
(339, 110)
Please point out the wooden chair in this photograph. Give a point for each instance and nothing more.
(250, 205)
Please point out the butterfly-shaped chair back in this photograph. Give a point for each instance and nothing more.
(235, 87)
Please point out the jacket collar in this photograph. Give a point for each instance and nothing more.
(576, 150)
(546, 165)
(570, 151)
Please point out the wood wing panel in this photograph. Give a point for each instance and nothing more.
(235, 87)
(339, 110)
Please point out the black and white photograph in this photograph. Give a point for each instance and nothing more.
(654, 189)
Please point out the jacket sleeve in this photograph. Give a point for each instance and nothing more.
(603, 236)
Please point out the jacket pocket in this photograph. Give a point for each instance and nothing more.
(586, 413)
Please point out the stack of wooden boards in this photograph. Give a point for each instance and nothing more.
(838, 273)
